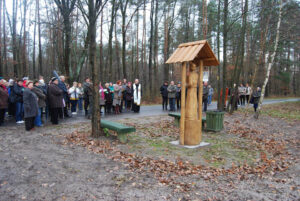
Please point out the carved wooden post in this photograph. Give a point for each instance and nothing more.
(183, 91)
(200, 95)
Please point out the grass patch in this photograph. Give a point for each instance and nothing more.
(286, 110)
(224, 149)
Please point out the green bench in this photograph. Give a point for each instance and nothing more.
(120, 129)
(177, 119)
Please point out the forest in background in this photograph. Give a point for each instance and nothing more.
(134, 38)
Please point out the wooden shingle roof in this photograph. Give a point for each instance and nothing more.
(194, 51)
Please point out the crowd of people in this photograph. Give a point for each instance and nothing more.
(32, 102)
(171, 94)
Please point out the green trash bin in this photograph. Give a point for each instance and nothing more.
(214, 120)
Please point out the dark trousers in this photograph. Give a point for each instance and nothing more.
(128, 104)
(108, 108)
(74, 105)
(54, 112)
(80, 103)
(204, 104)
(29, 123)
(178, 103)
(135, 108)
(255, 105)
(19, 111)
(165, 103)
(2, 113)
(242, 99)
(172, 104)
(247, 98)
(86, 106)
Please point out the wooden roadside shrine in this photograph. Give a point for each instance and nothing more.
(192, 55)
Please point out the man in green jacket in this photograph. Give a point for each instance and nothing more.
(172, 95)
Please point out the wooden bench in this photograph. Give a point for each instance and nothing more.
(177, 119)
(120, 129)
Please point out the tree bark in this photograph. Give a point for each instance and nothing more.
(270, 63)
(223, 104)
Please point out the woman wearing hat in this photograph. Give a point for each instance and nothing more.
(31, 108)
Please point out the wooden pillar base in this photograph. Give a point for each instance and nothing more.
(192, 132)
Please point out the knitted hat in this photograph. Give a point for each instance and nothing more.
(28, 82)
(53, 79)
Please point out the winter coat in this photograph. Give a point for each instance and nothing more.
(30, 101)
(117, 96)
(172, 91)
(81, 92)
(164, 91)
(128, 93)
(41, 96)
(3, 97)
(108, 96)
(18, 93)
(205, 92)
(256, 97)
(55, 96)
(74, 93)
(87, 89)
(178, 93)
(210, 91)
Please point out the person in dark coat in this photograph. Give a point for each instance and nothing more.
(172, 95)
(31, 108)
(108, 98)
(41, 102)
(256, 96)
(87, 96)
(55, 98)
(62, 85)
(3, 100)
(164, 95)
(18, 98)
(205, 96)
(128, 96)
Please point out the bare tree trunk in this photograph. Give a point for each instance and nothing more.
(218, 47)
(33, 51)
(1, 59)
(110, 36)
(40, 42)
(14, 39)
(5, 70)
(143, 55)
(151, 49)
(137, 70)
(25, 67)
(270, 63)
(118, 67)
(155, 48)
(225, 31)
(101, 66)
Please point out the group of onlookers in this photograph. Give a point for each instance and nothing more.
(28, 101)
(243, 94)
(171, 93)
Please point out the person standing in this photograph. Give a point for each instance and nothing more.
(248, 92)
(42, 85)
(102, 97)
(129, 96)
(178, 95)
(256, 97)
(210, 94)
(108, 99)
(62, 85)
(117, 96)
(74, 96)
(172, 95)
(242, 94)
(55, 97)
(164, 95)
(80, 99)
(3, 100)
(31, 108)
(41, 102)
(137, 95)
(205, 96)
(123, 98)
(87, 96)
(18, 97)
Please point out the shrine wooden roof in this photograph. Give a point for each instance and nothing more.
(194, 51)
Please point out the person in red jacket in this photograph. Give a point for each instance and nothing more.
(3, 100)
